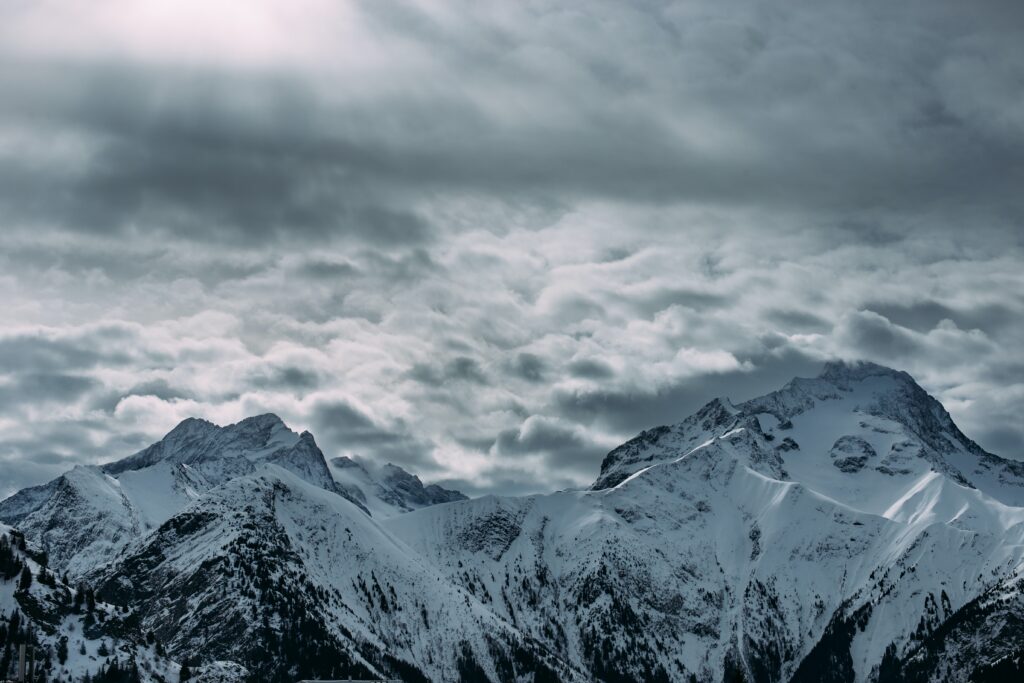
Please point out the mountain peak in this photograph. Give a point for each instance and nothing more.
(846, 370)
(810, 421)
(191, 425)
(260, 422)
(344, 462)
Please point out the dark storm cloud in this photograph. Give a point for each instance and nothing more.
(810, 106)
(220, 159)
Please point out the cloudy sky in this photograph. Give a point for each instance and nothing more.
(486, 240)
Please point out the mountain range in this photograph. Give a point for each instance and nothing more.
(841, 528)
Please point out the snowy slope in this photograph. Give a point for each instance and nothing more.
(746, 536)
(386, 490)
(269, 554)
(841, 528)
(87, 631)
(85, 517)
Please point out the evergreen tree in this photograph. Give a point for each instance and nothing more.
(26, 579)
(10, 563)
(185, 673)
(62, 650)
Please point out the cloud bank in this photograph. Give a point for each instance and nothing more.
(489, 241)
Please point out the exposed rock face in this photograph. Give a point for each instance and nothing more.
(851, 453)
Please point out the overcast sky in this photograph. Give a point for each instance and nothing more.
(488, 241)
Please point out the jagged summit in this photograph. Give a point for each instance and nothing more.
(192, 424)
(205, 445)
(125, 499)
(259, 423)
(192, 427)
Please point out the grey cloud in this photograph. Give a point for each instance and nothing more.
(340, 427)
(160, 388)
(590, 368)
(466, 369)
(696, 300)
(263, 155)
(561, 446)
(54, 447)
(458, 369)
(512, 481)
(876, 337)
(26, 351)
(1005, 439)
(106, 399)
(46, 388)
(222, 160)
(529, 366)
(289, 377)
(324, 269)
(922, 316)
(628, 410)
(496, 224)
(797, 320)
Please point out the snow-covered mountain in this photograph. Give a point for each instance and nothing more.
(841, 528)
(386, 490)
(86, 516)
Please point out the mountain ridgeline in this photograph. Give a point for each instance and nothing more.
(839, 529)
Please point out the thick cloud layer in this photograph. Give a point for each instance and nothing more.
(489, 241)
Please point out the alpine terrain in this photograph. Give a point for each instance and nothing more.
(841, 528)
